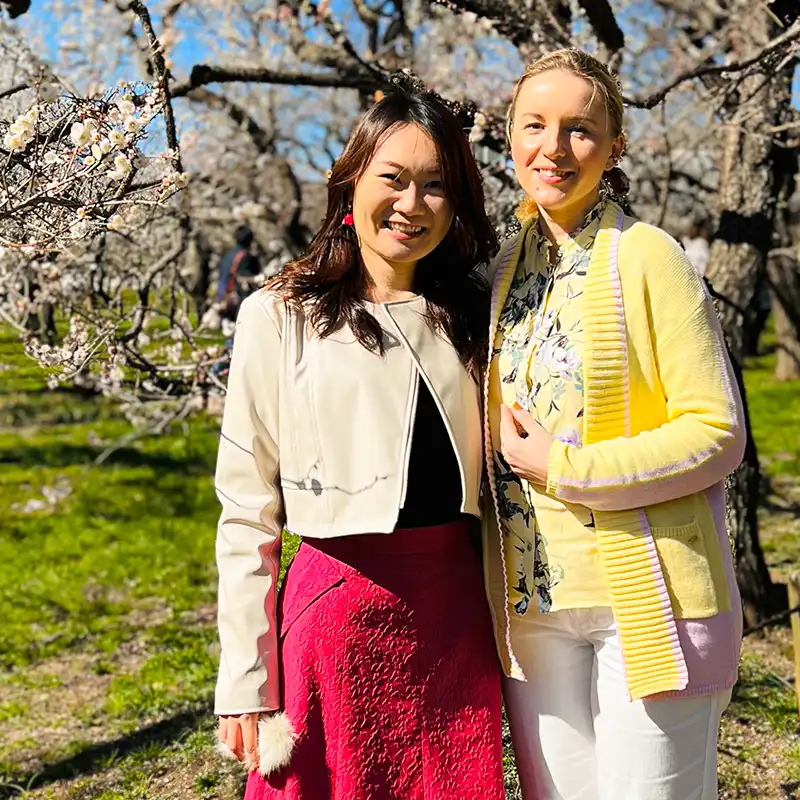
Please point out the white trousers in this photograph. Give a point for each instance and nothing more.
(578, 736)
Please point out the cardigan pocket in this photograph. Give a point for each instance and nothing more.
(687, 571)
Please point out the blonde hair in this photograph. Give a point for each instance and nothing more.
(604, 83)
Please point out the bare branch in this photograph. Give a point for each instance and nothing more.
(16, 8)
(508, 19)
(141, 11)
(12, 90)
(203, 74)
(604, 24)
(777, 44)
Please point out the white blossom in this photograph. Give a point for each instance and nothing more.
(51, 158)
(115, 222)
(131, 124)
(22, 127)
(117, 138)
(125, 106)
(81, 133)
(121, 168)
(12, 142)
(49, 92)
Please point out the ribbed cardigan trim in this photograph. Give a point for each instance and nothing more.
(500, 288)
(654, 660)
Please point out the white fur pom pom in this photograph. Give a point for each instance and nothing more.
(276, 739)
(225, 751)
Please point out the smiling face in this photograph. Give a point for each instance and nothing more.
(561, 143)
(400, 210)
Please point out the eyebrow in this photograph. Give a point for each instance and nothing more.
(584, 118)
(403, 169)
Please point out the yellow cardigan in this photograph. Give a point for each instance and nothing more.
(663, 424)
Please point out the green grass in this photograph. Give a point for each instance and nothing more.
(119, 564)
(774, 417)
(760, 694)
(119, 570)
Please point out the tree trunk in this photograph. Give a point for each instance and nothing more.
(751, 176)
(783, 273)
(198, 272)
(787, 360)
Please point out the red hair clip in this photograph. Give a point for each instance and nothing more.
(348, 219)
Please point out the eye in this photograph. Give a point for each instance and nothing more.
(533, 126)
(435, 185)
(580, 129)
(390, 176)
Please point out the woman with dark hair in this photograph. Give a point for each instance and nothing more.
(353, 419)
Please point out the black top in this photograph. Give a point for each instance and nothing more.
(433, 496)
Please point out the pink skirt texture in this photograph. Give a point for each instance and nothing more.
(390, 673)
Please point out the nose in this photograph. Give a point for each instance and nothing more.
(553, 145)
(409, 200)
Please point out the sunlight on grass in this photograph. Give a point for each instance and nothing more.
(116, 562)
(774, 416)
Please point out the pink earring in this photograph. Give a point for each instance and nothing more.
(348, 219)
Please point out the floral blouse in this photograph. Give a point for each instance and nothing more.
(550, 546)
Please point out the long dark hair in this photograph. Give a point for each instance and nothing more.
(330, 280)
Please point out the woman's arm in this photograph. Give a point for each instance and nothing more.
(250, 526)
(703, 438)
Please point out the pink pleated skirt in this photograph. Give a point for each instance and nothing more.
(390, 673)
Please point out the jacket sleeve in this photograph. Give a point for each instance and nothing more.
(248, 544)
(704, 436)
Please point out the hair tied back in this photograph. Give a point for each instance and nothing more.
(617, 181)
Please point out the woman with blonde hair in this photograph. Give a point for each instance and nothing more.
(612, 420)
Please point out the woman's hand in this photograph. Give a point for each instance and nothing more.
(239, 733)
(525, 444)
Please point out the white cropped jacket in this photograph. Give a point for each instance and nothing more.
(316, 437)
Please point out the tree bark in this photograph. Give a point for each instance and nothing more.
(783, 274)
(751, 178)
(787, 356)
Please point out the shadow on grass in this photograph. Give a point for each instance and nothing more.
(67, 454)
(39, 389)
(94, 759)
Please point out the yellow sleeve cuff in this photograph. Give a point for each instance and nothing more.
(555, 461)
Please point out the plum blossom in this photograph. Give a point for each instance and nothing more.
(125, 106)
(116, 138)
(131, 124)
(82, 133)
(48, 92)
(121, 168)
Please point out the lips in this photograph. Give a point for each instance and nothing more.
(402, 230)
(553, 176)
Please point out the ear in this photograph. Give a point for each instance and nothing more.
(617, 149)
